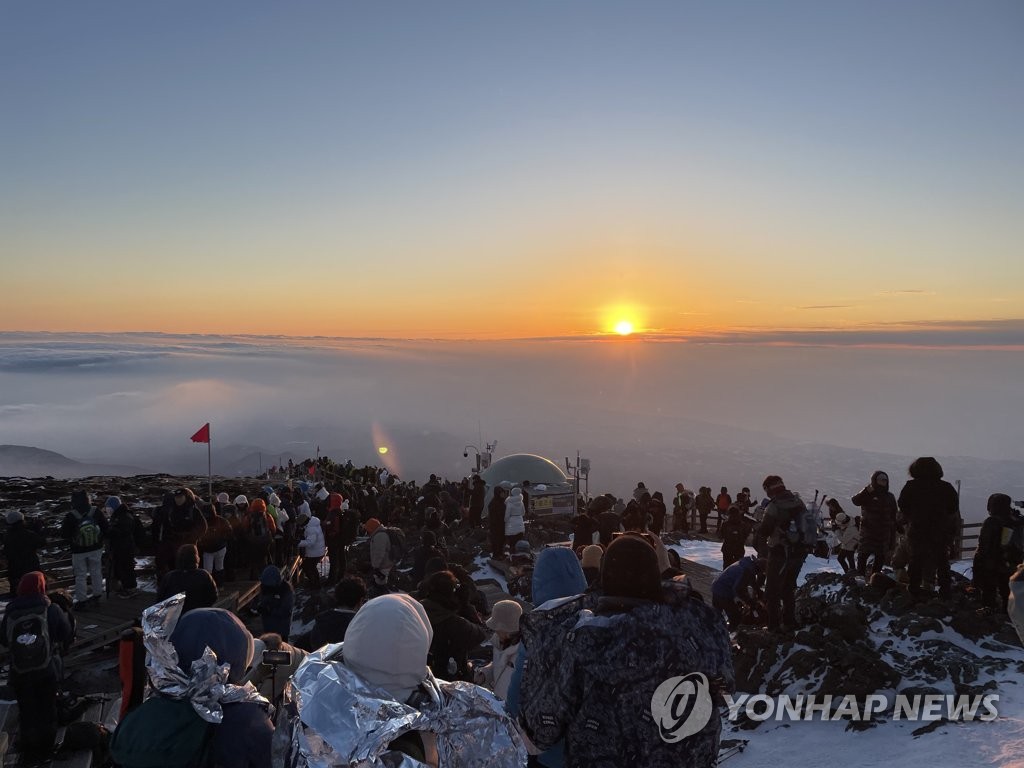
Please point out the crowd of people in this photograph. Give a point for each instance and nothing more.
(402, 633)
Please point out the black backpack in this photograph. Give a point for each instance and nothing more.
(258, 528)
(28, 637)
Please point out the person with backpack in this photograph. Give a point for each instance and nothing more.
(21, 547)
(722, 504)
(33, 629)
(312, 548)
(276, 602)
(704, 504)
(179, 522)
(932, 508)
(996, 556)
(193, 719)
(260, 527)
(197, 584)
(515, 518)
(84, 527)
(877, 524)
(124, 534)
(387, 548)
(787, 534)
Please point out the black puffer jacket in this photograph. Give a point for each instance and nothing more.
(930, 504)
(877, 514)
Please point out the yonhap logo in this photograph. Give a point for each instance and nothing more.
(682, 706)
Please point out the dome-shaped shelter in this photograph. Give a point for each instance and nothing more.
(523, 466)
(550, 492)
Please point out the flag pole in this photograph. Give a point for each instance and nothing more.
(209, 467)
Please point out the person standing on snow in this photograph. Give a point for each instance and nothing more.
(932, 508)
(877, 523)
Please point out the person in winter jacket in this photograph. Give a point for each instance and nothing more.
(276, 602)
(124, 535)
(334, 536)
(261, 528)
(595, 688)
(368, 692)
(1015, 604)
(504, 622)
(178, 522)
(454, 634)
(427, 550)
(877, 523)
(849, 539)
(785, 558)
(557, 576)
(932, 508)
(609, 523)
(736, 586)
(331, 625)
(496, 522)
(704, 503)
(312, 548)
(656, 510)
(35, 690)
(477, 496)
(992, 560)
(722, 504)
(242, 738)
(734, 533)
(21, 548)
(381, 560)
(213, 544)
(515, 516)
(198, 585)
(84, 527)
(584, 526)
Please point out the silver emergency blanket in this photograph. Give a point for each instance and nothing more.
(332, 717)
(206, 686)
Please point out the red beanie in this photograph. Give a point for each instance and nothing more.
(32, 583)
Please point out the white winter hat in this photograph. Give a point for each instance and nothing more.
(517, 491)
(240, 500)
(274, 500)
(223, 498)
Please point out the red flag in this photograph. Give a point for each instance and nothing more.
(203, 435)
(312, 470)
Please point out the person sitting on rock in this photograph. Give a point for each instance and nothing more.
(454, 635)
(504, 622)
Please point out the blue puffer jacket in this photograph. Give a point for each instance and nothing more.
(558, 574)
(728, 583)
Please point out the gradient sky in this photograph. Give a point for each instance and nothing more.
(509, 170)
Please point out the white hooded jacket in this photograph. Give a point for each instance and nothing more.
(313, 544)
(515, 511)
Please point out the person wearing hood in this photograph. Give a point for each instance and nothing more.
(454, 634)
(313, 548)
(557, 577)
(785, 556)
(994, 559)
(166, 725)
(591, 561)
(333, 528)
(276, 602)
(877, 523)
(504, 622)
(381, 560)
(261, 529)
(595, 689)
(21, 547)
(213, 544)
(496, 522)
(85, 527)
(35, 671)
(198, 585)
(370, 689)
(124, 534)
(515, 516)
(932, 508)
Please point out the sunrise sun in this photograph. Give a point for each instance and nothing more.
(624, 327)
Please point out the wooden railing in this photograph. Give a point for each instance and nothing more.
(966, 543)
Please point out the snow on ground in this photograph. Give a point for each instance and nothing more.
(709, 553)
